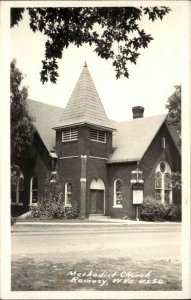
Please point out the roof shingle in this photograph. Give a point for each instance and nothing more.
(84, 106)
(46, 117)
(132, 138)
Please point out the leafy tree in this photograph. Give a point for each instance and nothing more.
(174, 109)
(174, 118)
(22, 129)
(117, 26)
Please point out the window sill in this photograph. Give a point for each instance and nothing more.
(17, 204)
(68, 141)
(117, 206)
(33, 204)
(104, 142)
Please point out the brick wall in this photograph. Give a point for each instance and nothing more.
(69, 171)
(156, 154)
(70, 168)
(37, 163)
(121, 171)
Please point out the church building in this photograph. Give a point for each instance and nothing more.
(98, 160)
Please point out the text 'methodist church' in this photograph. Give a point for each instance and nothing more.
(97, 158)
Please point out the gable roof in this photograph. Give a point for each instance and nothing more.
(46, 116)
(132, 138)
(84, 106)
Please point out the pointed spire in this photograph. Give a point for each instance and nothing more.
(84, 105)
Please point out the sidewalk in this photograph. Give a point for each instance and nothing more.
(98, 223)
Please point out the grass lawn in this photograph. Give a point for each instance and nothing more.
(104, 274)
(77, 220)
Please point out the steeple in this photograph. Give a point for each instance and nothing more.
(84, 105)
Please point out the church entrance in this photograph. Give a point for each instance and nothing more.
(96, 202)
(97, 197)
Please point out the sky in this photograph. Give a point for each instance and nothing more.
(159, 68)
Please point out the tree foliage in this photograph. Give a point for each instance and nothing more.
(174, 118)
(174, 109)
(22, 129)
(102, 27)
(51, 204)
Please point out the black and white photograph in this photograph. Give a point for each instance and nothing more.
(95, 150)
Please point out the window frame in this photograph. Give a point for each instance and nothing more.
(97, 134)
(70, 135)
(18, 190)
(163, 142)
(116, 205)
(66, 202)
(33, 190)
(165, 175)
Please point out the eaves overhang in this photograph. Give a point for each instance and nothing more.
(120, 161)
(93, 125)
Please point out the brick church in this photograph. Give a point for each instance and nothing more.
(98, 159)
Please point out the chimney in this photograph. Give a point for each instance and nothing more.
(137, 112)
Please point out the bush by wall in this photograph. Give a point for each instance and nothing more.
(72, 212)
(51, 204)
(48, 210)
(154, 210)
(173, 213)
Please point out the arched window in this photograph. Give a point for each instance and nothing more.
(17, 186)
(68, 194)
(34, 191)
(117, 193)
(163, 183)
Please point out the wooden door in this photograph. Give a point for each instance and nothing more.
(97, 201)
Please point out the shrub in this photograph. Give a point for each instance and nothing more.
(72, 212)
(173, 212)
(50, 204)
(48, 210)
(152, 210)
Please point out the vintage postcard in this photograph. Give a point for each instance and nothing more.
(95, 149)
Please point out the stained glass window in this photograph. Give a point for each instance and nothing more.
(118, 192)
(163, 183)
(158, 180)
(167, 181)
(162, 166)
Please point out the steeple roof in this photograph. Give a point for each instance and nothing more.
(84, 106)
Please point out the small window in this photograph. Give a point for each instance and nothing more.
(162, 166)
(70, 135)
(163, 143)
(98, 136)
(118, 193)
(34, 191)
(17, 187)
(68, 194)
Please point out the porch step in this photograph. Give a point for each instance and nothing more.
(98, 217)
